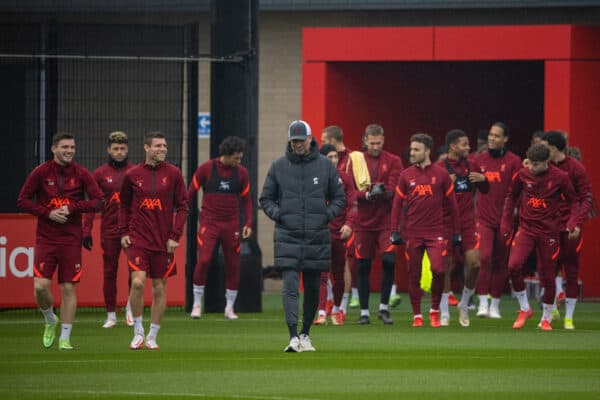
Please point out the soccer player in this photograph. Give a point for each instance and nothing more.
(341, 230)
(334, 135)
(152, 192)
(224, 181)
(372, 230)
(570, 249)
(466, 177)
(55, 192)
(302, 193)
(540, 188)
(499, 165)
(423, 191)
(109, 178)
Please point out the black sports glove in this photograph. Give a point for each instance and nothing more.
(456, 240)
(376, 192)
(395, 238)
(87, 242)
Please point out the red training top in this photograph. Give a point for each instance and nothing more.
(54, 186)
(583, 190)
(421, 196)
(149, 197)
(541, 202)
(222, 188)
(374, 215)
(499, 172)
(109, 178)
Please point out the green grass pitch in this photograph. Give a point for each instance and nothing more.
(212, 358)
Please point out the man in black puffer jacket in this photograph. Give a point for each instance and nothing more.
(302, 194)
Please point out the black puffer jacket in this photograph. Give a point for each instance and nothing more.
(302, 194)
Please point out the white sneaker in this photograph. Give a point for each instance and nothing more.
(229, 314)
(128, 315)
(305, 343)
(151, 344)
(109, 323)
(494, 313)
(463, 316)
(137, 343)
(483, 310)
(445, 320)
(196, 312)
(294, 346)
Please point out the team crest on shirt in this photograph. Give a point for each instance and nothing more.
(77, 267)
(72, 181)
(41, 266)
(412, 183)
(315, 180)
(50, 182)
(549, 184)
(502, 167)
(163, 181)
(224, 186)
(139, 182)
(109, 179)
(384, 167)
(433, 179)
(137, 260)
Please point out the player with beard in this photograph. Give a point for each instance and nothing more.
(422, 193)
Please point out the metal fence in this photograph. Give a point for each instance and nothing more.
(88, 80)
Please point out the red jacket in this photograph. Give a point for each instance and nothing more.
(583, 190)
(150, 195)
(53, 186)
(499, 173)
(421, 196)
(541, 197)
(374, 215)
(110, 179)
(348, 215)
(222, 204)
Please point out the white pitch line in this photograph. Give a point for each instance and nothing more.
(154, 394)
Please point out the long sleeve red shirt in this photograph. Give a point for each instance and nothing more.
(465, 193)
(49, 187)
(541, 197)
(110, 179)
(150, 195)
(222, 203)
(420, 198)
(499, 172)
(374, 215)
(348, 215)
(583, 190)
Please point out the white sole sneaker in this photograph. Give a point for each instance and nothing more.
(482, 311)
(294, 346)
(230, 315)
(196, 312)
(109, 323)
(137, 343)
(152, 345)
(494, 313)
(445, 320)
(305, 343)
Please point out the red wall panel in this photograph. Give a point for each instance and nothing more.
(503, 42)
(367, 44)
(583, 133)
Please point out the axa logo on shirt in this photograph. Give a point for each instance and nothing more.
(151, 204)
(536, 202)
(493, 176)
(11, 262)
(58, 202)
(423, 190)
(115, 198)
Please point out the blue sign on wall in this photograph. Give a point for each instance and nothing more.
(203, 124)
